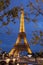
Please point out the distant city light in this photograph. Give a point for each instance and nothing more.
(14, 59)
(29, 55)
(17, 63)
(7, 60)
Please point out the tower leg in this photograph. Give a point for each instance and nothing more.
(18, 40)
(11, 52)
(16, 53)
(28, 47)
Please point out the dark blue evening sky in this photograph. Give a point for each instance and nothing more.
(9, 40)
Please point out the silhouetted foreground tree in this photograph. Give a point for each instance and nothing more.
(37, 38)
(13, 13)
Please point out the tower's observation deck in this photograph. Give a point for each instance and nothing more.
(22, 35)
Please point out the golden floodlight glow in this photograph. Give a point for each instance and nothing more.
(22, 28)
(22, 35)
(17, 63)
(14, 59)
(7, 60)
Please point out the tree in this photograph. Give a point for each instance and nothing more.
(32, 10)
(37, 38)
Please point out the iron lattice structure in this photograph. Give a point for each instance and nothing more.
(18, 46)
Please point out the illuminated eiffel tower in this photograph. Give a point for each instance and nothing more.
(19, 46)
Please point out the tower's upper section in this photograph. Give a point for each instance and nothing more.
(22, 28)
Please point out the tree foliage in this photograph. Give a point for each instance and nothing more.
(13, 13)
(37, 38)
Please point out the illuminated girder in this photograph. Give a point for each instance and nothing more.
(22, 29)
(22, 35)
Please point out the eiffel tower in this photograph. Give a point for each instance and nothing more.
(19, 46)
